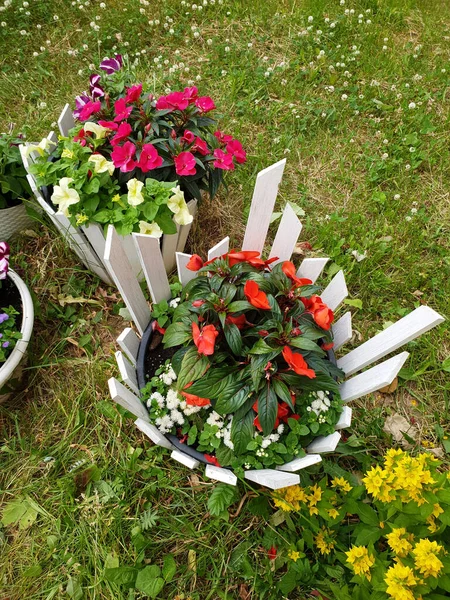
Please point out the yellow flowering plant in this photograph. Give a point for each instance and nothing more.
(383, 537)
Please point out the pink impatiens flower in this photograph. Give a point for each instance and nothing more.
(235, 148)
(173, 101)
(123, 157)
(133, 93)
(123, 132)
(88, 109)
(200, 146)
(109, 125)
(223, 160)
(185, 163)
(223, 138)
(190, 93)
(188, 137)
(205, 104)
(121, 110)
(150, 159)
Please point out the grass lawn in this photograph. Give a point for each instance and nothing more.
(355, 95)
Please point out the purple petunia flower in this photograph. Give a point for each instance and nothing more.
(4, 250)
(80, 102)
(111, 65)
(3, 317)
(96, 90)
(5, 344)
(4, 265)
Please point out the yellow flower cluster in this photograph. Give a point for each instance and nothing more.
(399, 541)
(341, 483)
(324, 541)
(361, 561)
(402, 476)
(399, 580)
(425, 558)
(289, 498)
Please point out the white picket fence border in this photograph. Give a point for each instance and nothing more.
(417, 322)
(88, 241)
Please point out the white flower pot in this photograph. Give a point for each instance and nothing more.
(11, 369)
(13, 220)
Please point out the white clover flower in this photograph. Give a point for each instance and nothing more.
(412, 105)
(408, 218)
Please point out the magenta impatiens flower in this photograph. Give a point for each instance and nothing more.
(235, 148)
(89, 109)
(133, 93)
(205, 104)
(121, 110)
(200, 146)
(223, 160)
(109, 125)
(123, 157)
(173, 101)
(111, 65)
(191, 94)
(150, 159)
(223, 138)
(122, 132)
(188, 137)
(185, 163)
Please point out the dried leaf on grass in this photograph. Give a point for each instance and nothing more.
(388, 389)
(397, 426)
(63, 300)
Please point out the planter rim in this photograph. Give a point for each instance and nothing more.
(8, 367)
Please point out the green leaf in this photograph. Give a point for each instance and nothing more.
(356, 302)
(193, 366)
(165, 221)
(232, 398)
(365, 534)
(176, 334)
(212, 383)
(221, 499)
(267, 408)
(282, 391)
(304, 343)
(169, 568)
(242, 432)
(33, 571)
(239, 306)
(233, 337)
(260, 347)
(74, 589)
(20, 512)
(367, 514)
(149, 581)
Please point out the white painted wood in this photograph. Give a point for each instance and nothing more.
(311, 268)
(132, 255)
(153, 433)
(373, 379)
(129, 343)
(342, 331)
(324, 444)
(336, 291)
(419, 321)
(123, 396)
(53, 137)
(261, 209)
(169, 248)
(345, 420)
(220, 474)
(127, 284)
(184, 459)
(272, 479)
(42, 203)
(96, 238)
(219, 249)
(152, 263)
(286, 236)
(127, 372)
(300, 463)
(185, 229)
(66, 120)
(184, 275)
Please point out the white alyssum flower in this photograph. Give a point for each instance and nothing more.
(174, 302)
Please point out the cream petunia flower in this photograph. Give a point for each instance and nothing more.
(135, 196)
(63, 196)
(101, 164)
(151, 229)
(99, 131)
(177, 204)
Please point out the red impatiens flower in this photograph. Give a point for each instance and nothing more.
(205, 338)
(212, 459)
(173, 101)
(149, 159)
(109, 125)
(200, 146)
(193, 400)
(322, 315)
(188, 137)
(122, 132)
(272, 553)
(250, 256)
(157, 327)
(205, 104)
(255, 296)
(288, 269)
(327, 346)
(89, 109)
(240, 321)
(198, 303)
(284, 413)
(80, 137)
(185, 163)
(123, 157)
(121, 110)
(223, 160)
(235, 148)
(297, 363)
(133, 93)
(223, 138)
(195, 263)
(191, 94)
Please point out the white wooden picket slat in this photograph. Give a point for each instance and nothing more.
(123, 396)
(261, 209)
(342, 331)
(311, 268)
(53, 137)
(219, 249)
(95, 236)
(373, 379)
(153, 433)
(300, 463)
(127, 372)
(324, 444)
(42, 203)
(220, 474)
(185, 229)
(169, 248)
(153, 266)
(184, 275)
(127, 284)
(129, 343)
(336, 291)
(129, 248)
(345, 419)
(184, 459)
(66, 120)
(419, 321)
(272, 479)
(286, 236)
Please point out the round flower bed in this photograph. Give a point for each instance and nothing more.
(238, 371)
